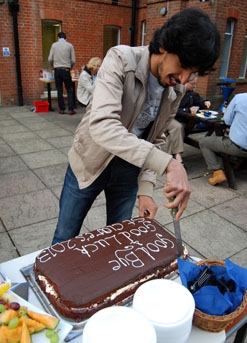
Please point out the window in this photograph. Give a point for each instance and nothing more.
(111, 37)
(227, 47)
(243, 68)
(50, 29)
(143, 42)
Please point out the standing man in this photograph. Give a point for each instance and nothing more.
(116, 147)
(62, 59)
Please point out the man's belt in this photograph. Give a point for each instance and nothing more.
(240, 148)
(67, 69)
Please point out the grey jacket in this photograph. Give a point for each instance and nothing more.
(62, 55)
(105, 129)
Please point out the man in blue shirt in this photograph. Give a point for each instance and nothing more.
(235, 144)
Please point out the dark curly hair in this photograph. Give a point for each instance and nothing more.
(192, 36)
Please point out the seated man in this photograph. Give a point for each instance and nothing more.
(190, 103)
(235, 144)
(190, 100)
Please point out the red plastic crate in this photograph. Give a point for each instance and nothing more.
(41, 106)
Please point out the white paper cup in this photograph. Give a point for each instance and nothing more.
(169, 306)
(118, 324)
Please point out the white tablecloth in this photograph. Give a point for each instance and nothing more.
(12, 270)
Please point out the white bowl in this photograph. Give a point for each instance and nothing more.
(118, 324)
(169, 306)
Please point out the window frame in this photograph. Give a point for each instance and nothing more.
(144, 32)
(227, 47)
(243, 67)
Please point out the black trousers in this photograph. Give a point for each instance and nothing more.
(63, 77)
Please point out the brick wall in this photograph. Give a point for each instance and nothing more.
(7, 64)
(208, 86)
(84, 20)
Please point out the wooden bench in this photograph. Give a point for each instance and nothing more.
(229, 162)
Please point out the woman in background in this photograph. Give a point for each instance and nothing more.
(86, 81)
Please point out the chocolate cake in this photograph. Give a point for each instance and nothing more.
(104, 267)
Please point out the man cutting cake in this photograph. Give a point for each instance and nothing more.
(116, 145)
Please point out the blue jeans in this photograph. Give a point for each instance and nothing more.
(119, 182)
(62, 76)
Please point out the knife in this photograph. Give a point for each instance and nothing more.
(177, 229)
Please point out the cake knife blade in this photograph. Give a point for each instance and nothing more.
(177, 229)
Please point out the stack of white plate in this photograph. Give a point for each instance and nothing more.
(169, 306)
(118, 324)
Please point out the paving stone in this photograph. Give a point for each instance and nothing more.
(34, 237)
(19, 183)
(50, 133)
(234, 211)
(11, 164)
(36, 123)
(95, 219)
(207, 195)
(52, 176)
(7, 249)
(30, 145)
(211, 235)
(8, 122)
(1, 227)
(29, 208)
(65, 150)
(5, 150)
(24, 113)
(19, 137)
(44, 158)
(57, 191)
(61, 142)
(4, 116)
(240, 258)
(12, 128)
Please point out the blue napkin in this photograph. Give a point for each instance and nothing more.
(209, 299)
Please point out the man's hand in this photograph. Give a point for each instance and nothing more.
(207, 103)
(177, 187)
(147, 207)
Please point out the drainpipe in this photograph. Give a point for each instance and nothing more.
(133, 24)
(14, 9)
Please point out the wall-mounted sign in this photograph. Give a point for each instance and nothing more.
(6, 52)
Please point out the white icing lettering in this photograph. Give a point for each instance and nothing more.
(109, 229)
(44, 256)
(132, 248)
(129, 258)
(128, 236)
(134, 260)
(145, 250)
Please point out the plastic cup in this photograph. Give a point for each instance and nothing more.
(118, 324)
(169, 306)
